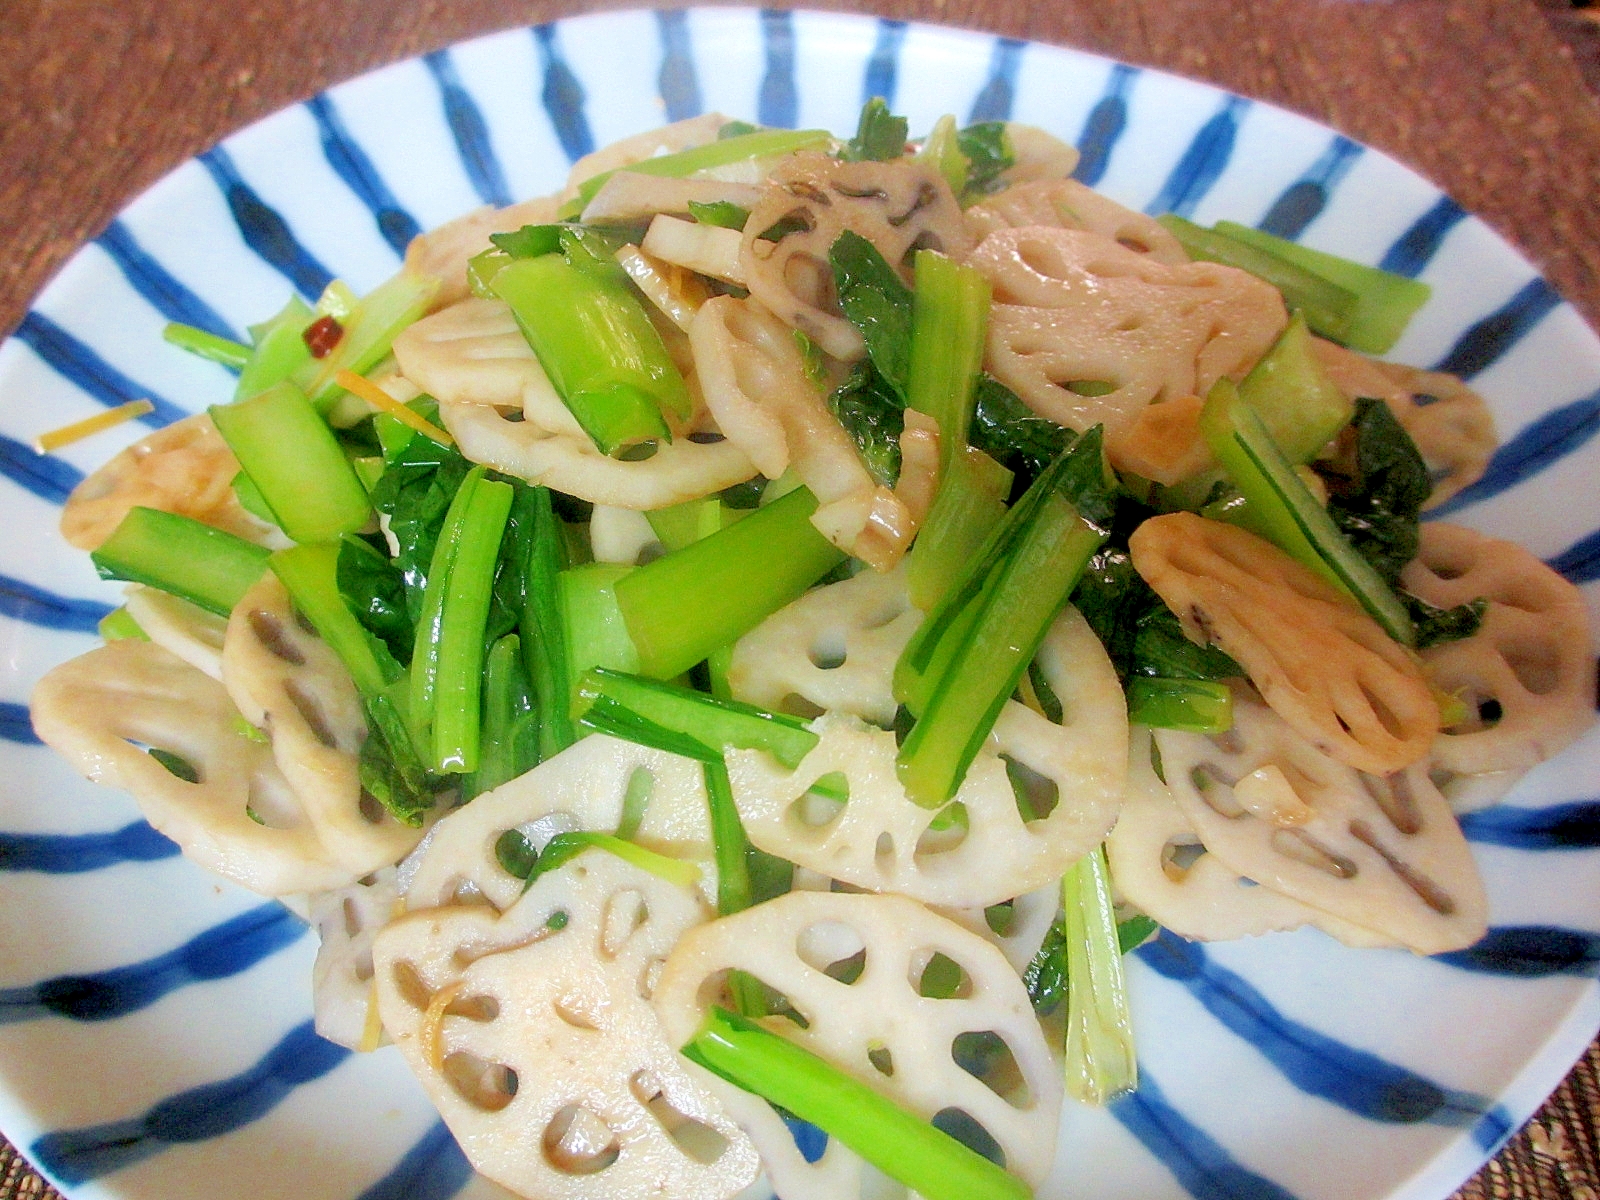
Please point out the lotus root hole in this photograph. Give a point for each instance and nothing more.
(827, 653)
(1037, 795)
(577, 1142)
(1178, 858)
(310, 710)
(964, 1127)
(1300, 846)
(269, 631)
(410, 985)
(625, 914)
(987, 1057)
(1537, 665)
(834, 948)
(939, 977)
(487, 1085)
(696, 1139)
(810, 279)
(811, 812)
(576, 1012)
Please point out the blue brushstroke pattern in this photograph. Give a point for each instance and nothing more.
(1574, 826)
(76, 853)
(1415, 248)
(79, 365)
(352, 164)
(1579, 562)
(677, 82)
(883, 68)
(1103, 127)
(779, 101)
(469, 130)
(1356, 1080)
(224, 950)
(433, 1169)
(1481, 345)
(15, 726)
(563, 97)
(75, 1156)
(1553, 436)
(1529, 952)
(808, 1139)
(47, 477)
(1196, 1159)
(1303, 201)
(172, 299)
(25, 602)
(993, 102)
(1204, 160)
(263, 228)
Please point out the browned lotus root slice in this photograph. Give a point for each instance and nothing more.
(289, 682)
(833, 649)
(1073, 308)
(668, 139)
(442, 253)
(1161, 867)
(533, 1034)
(757, 388)
(1068, 204)
(238, 817)
(1321, 663)
(185, 468)
(1072, 772)
(877, 1027)
(1450, 423)
(343, 997)
(1381, 852)
(1163, 442)
(1527, 677)
(899, 207)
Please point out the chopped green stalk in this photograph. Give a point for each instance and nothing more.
(205, 565)
(685, 721)
(1298, 404)
(279, 351)
(714, 157)
(510, 743)
(1009, 622)
(635, 803)
(684, 524)
(1100, 1062)
(458, 687)
(565, 847)
(1193, 705)
(970, 503)
(206, 345)
(424, 682)
(119, 625)
(735, 892)
(1282, 509)
(942, 149)
(899, 1143)
(686, 604)
(1329, 309)
(950, 314)
(1385, 302)
(544, 646)
(369, 333)
(597, 345)
(391, 768)
(296, 463)
(592, 627)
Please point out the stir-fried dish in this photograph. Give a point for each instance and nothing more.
(730, 655)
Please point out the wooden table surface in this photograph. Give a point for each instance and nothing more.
(101, 99)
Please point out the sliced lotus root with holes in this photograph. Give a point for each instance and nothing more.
(1384, 853)
(1068, 204)
(343, 995)
(834, 649)
(533, 1033)
(289, 682)
(1019, 929)
(442, 252)
(881, 841)
(1321, 662)
(473, 353)
(1161, 867)
(1449, 422)
(238, 816)
(185, 468)
(810, 199)
(1526, 678)
(186, 629)
(681, 470)
(667, 139)
(853, 967)
(1074, 310)
(586, 786)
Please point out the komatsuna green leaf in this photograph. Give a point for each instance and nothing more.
(880, 135)
(877, 302)
(989, 152)
(1009, 432)
(874, 417)
(1377, 500)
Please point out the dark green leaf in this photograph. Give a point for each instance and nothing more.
(874, 417)
(880, 135)
(375, 591)
(1377, 493)
(1436, 625)
(877, 302)
(1009, 432)
(988, 150)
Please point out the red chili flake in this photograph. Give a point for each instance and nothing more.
(322, 335)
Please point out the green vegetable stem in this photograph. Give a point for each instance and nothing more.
(204, 565)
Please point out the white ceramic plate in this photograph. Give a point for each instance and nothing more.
(154, 1024)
